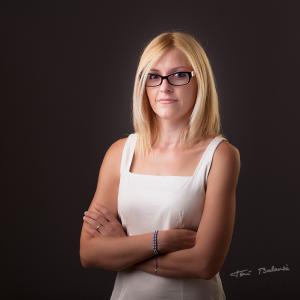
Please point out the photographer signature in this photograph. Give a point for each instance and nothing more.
(260, 271)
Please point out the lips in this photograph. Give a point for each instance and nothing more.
(166, 100)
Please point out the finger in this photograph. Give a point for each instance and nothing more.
(96, 216)
(103, 220)
(106, 212)
(94, 225)
(99, 218)
(92, 214)
(90, 221)
(96, 207)
(99, 207)
(90, 231)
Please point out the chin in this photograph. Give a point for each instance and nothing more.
(167, 116)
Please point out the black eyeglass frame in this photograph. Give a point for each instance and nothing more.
(190, 73)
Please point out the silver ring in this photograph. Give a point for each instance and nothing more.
(97, 228)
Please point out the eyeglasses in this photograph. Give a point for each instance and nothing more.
(178, 78)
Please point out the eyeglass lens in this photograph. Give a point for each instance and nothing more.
(179, 78)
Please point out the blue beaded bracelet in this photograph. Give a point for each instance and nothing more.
(155, 244)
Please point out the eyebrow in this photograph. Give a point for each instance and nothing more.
(171, 70)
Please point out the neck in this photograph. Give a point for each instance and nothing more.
(169, 134)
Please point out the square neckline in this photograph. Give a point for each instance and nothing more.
(132, 150)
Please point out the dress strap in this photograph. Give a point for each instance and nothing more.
(127, 153)
(209, 153)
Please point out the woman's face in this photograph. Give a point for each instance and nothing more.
(185, 95)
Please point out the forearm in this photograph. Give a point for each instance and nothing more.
(183, 263)
(116, 253)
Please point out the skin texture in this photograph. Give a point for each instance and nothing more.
(205, 250)
(172, 117)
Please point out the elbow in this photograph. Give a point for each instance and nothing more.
(84, 261)
(208, 272)
(204, 274)
(85, 253)
(88, 260)
(208, 275)
(86, 256)
(204, 267)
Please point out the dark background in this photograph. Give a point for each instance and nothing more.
(67, 73)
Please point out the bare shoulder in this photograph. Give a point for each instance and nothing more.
(109, 176)
(116, 148)
(226, 150)
(227, 158)
(113, 155)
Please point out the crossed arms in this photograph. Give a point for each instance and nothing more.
(184, 253)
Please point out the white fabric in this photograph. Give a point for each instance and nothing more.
(150, 202)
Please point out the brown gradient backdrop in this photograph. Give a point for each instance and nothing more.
(67, 72)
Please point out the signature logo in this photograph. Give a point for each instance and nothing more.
(259, 271)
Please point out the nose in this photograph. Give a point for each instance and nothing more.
(165, 85)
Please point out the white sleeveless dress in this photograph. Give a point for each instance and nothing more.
(150, 202)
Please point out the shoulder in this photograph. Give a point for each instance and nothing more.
(113, 155)
(227, 158)
(226, 151)
(114, 152)
(109, 176)
(117, 147)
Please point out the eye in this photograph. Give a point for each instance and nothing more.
(181, 74)
(153, 76)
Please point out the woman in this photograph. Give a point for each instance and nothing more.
(163, 212)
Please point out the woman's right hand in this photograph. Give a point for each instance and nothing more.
(175, 239)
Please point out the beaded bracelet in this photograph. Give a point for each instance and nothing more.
(156, 265)
(155, 244)
(155, 250)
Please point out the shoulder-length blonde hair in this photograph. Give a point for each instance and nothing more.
(204, 120)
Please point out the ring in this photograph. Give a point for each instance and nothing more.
(97, 228)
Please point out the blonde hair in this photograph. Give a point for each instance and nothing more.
(204, 120)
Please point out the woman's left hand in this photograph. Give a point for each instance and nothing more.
(102, 222)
